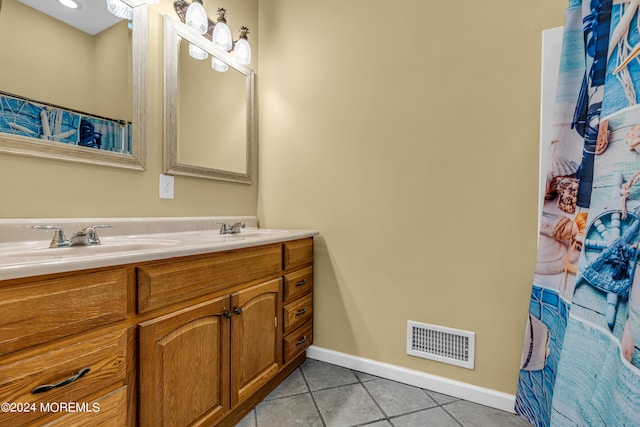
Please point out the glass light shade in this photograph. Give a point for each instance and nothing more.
(120, 9)
(242, 51)
(196, 53)
(218, 65)
(196, 18)
(222, 36)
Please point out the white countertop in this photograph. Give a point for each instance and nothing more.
(25, 252)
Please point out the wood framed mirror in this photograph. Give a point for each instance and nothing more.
(208, 115)
(104, 80)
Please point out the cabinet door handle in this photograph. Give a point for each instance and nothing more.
(301, 282)
(226, 313)
(301, 312)
(302, 341)
(237, 310)
(47, 387)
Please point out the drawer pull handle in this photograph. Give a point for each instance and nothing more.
(301, 282)
(47, 387)
(301, 312)
(302, 341)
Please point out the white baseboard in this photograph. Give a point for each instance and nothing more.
(481, 395)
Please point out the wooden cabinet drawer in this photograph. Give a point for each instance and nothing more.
(298, 253)
(297, 342)
(105, 411)
(297, 313)
(105, 356)
(298, 283)
(40, 311)
(163, 284)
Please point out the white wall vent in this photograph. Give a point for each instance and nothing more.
(442, 344)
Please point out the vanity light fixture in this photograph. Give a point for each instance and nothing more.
(196, 53)
(221, 35)
(120, 9)
(242, 50)
(218, 65)
(196, 17)
(218, 32)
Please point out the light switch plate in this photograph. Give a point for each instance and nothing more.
(166, 186)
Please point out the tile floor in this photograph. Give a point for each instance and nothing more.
(325, 395)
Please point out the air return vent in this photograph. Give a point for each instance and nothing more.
(442, 344)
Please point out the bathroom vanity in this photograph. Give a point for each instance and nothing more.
(195, 330)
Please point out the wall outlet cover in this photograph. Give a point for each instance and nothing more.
(166, 186)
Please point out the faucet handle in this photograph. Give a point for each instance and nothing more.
(59, 239)
(225, 228)
(92, 235)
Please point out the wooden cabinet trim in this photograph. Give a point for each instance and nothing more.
(43, 310)
(162, 355)
(166, 283)
(105, 356)
(297, 342)
(297, 313)
(106, 410)
(255, 326)
(297, 283)
(297, 253)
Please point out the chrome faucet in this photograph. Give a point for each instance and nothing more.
(85, 237)
(234, 228)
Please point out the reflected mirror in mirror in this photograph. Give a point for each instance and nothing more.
(212, 115)
(70, 90)
(209, 114)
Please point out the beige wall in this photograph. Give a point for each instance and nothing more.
(35, 188)
(407, 133)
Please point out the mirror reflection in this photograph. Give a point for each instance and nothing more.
(67, 92)
(209, 114)
(212, 114)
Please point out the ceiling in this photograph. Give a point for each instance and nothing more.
(92, 16)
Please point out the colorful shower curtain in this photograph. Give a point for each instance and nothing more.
(581, 356)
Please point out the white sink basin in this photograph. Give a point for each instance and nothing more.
(107, 246)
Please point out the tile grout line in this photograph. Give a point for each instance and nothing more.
(313, 399)
(441, 405)
(391, 418)
(386, 417)
(451, 415)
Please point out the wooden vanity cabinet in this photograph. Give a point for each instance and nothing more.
(196, 340)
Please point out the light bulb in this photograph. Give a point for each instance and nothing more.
(196, 53)
(120, 9)
(218, 65)
(222, 36)
(242, 51)
(196, 18)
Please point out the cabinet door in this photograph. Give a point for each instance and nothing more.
(256, 338)
(184, 366)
